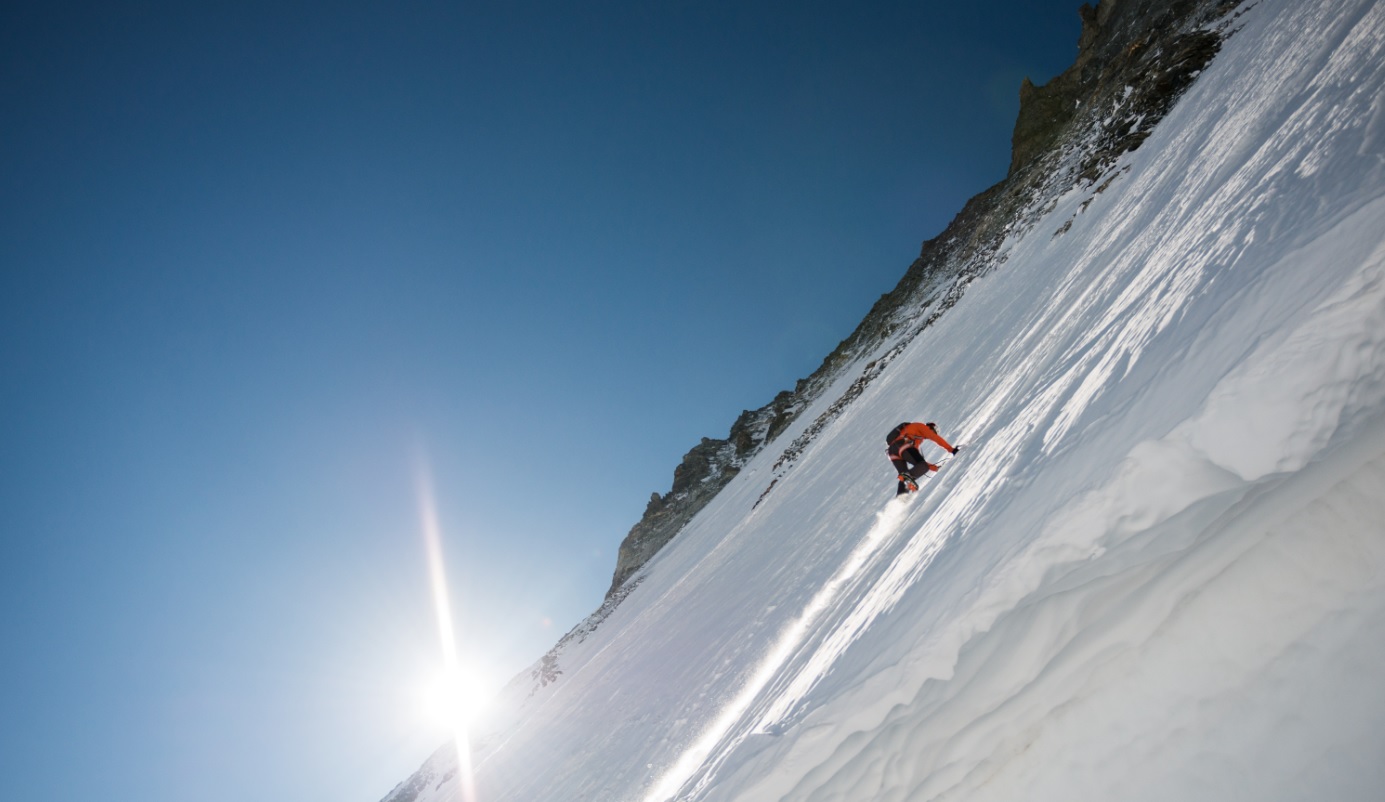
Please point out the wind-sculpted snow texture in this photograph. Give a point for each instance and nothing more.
(1157, 573)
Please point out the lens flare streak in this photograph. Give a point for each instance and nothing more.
(442, 607)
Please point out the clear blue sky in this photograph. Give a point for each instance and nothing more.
(261, 263)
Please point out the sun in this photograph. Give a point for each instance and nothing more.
(456, 700)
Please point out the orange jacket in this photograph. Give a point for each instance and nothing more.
(916, 433)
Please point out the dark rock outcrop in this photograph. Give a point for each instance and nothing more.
(704, 471)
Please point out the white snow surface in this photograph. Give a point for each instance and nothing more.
(1158, 570)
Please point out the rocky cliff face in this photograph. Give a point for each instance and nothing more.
(1135, 57)
(703, 472)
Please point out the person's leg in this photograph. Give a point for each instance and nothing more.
(901, 466)
(920, 466)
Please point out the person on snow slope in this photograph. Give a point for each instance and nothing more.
(904, 453)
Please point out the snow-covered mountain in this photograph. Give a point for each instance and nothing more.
(1157, 568)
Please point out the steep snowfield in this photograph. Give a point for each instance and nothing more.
(1158, 572)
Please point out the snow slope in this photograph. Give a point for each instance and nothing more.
(1158, 572)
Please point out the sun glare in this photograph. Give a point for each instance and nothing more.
(455, 701)
(458, 697)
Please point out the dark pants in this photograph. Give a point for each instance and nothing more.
(908, 461)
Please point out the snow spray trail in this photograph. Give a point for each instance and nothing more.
(923, 546)
(695, 759)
